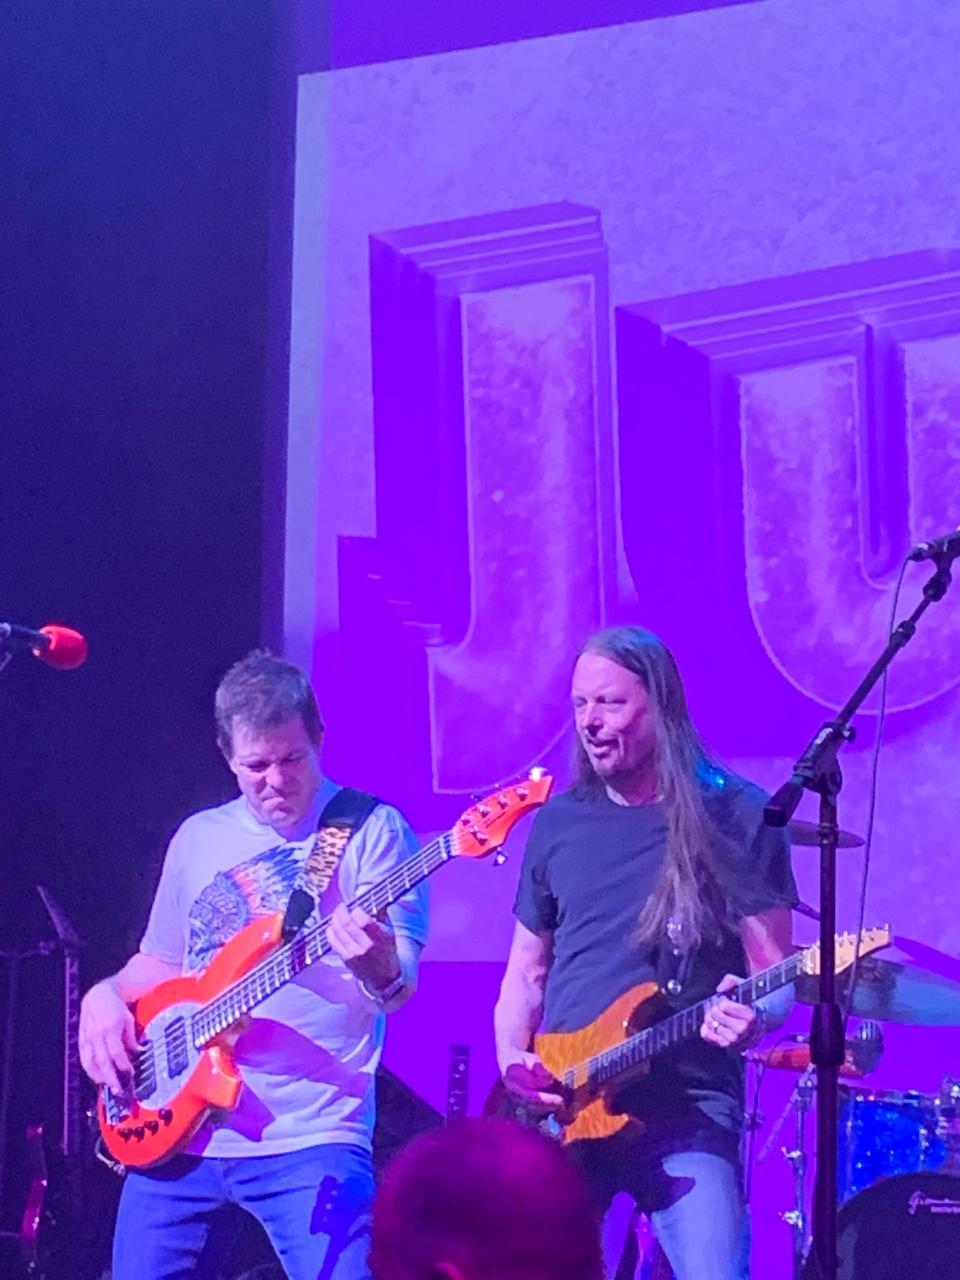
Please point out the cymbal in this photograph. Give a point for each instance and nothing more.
(890, 991)
(802, 832)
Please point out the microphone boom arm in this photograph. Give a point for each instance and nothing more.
(818, 770)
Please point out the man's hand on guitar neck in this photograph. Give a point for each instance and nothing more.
(729, 1025)
(368, 947)
(767, 938)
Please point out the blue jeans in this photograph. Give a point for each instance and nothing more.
(687, 1180)
(313, 1204)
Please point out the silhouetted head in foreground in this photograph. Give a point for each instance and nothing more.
(484, 1199)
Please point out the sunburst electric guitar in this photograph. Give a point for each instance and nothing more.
(185, 1067)
(593, 1064)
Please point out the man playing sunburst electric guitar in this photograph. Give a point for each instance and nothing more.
(295, 1149)
(655, 867)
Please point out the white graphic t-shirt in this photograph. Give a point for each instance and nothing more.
(310, 1051)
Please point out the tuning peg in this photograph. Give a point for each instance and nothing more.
(499, 858)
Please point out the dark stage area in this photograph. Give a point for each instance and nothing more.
(141, 488)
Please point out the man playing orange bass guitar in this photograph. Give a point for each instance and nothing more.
(295, 1150)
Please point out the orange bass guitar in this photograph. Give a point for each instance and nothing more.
(593, 1064)
(184, 1068)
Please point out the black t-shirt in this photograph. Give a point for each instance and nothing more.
(588, 868)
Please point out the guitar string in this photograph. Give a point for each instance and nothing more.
(256, 985)
(624, 1053)
(312, 944)
(623, 1056)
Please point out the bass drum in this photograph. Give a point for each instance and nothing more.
(904, 1228)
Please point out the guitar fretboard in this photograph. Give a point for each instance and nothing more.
(309, 946)
(642, 1046)
(457, 1081)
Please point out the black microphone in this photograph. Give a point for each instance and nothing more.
(937, 548)
(59, 647)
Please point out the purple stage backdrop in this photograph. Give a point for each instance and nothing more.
(654, 322)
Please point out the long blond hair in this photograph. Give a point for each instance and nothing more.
(687, 893)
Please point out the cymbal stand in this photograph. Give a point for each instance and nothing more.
(796, 1218)
(948, 1123)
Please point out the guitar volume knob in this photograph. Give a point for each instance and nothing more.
(152, 1126)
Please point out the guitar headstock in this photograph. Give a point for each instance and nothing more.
(845, 948)
(485, 825)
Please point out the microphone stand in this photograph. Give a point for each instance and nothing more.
(6, 645)
(818, 770)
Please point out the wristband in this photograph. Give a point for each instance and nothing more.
(387, 994)
(760, 1027)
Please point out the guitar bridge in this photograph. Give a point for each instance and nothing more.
(115, 1106)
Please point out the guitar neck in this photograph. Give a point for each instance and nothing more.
(457, 1082)
(637, 1050)
(310, 945)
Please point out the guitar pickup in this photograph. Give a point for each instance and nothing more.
(112, 1108)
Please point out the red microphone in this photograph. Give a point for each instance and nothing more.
(66, 650)
(59, 647)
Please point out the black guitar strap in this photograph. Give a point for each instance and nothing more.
(674, 959)
(348, 810)
(343, 815)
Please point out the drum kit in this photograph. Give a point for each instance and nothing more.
(898, 1150)
(902, 1136)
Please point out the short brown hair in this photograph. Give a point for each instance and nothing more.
(264, 692)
